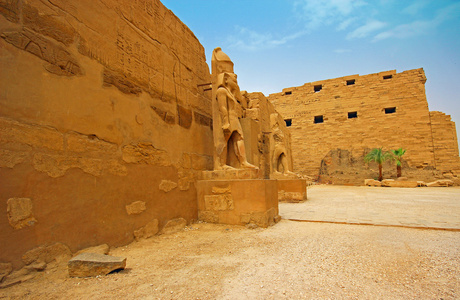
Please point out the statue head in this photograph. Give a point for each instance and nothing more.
(228, 80)
(221, 62)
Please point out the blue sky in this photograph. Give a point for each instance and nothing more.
(283, 43)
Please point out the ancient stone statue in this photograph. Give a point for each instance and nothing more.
(279, 152)
(227, 108)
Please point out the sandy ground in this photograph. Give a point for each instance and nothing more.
(292, 260)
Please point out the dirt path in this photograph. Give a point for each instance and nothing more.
(292, 260)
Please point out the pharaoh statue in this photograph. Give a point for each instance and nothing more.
(280, 163)
(227, 108)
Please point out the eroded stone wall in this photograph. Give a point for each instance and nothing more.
(445, 143)
(335, 122)
(103, 124)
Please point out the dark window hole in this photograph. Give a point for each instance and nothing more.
(390, 110)
(319, 119)
(352, 114)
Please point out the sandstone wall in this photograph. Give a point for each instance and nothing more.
(356, 113)
(103, 124)
(445, 143)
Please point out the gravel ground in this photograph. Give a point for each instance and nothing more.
(292, 260)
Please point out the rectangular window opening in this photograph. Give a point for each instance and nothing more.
(318, 88)
(288, 93)
(288, 122)
(351, 82)
(387, 76)
(390, 110)
(319, 119)
(352, 114)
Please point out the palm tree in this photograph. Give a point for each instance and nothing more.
(379, 156)
(397, 156)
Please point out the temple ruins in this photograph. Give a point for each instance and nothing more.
(335, 122)
(113, 129)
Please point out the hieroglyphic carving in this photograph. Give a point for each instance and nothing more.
(60, 61)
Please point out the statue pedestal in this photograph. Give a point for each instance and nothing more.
(237, 201)
(292, 190)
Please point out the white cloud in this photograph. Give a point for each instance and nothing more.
(325, 12)
(419, 27)
(345, 24)
(368, 28)
(415, 7)
(250, 40)
(405, 30)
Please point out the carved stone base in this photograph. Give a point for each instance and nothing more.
(238, 202)
(232, 174)
(292, 190)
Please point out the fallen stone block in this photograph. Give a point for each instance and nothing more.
(372, 182)
(174, 225)
(441, 182)
(403, 184)
(94, 264)
(5, 269)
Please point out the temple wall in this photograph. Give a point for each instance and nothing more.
(357, 113)
(103, 125)
(445, 142)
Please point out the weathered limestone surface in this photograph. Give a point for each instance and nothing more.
(354, 114)
(101, 249)
(101, 102)
(292, 190)
(396, 183)
(147, 231)
(438, 183)
(20, 213)
(94, 264)
(238, 202)
(174, 225)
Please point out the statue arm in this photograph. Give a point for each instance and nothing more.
(223, 108)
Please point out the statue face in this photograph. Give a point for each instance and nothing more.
(232, 81)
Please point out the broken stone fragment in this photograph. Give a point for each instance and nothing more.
(19, 211)
(147, 231)
(94, 264)
(5, 269)
(437, 183)
(372, 182)
(135, 208)
(167, 185)
(174, 225)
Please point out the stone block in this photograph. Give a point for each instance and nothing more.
(372, 182)
(232, 174)
(5, 270)
(395, 183)
(174, 225)
(147, 231)
(94, 264)
(254, 201)
(292, 190)
(47, 254)
(440, 183)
